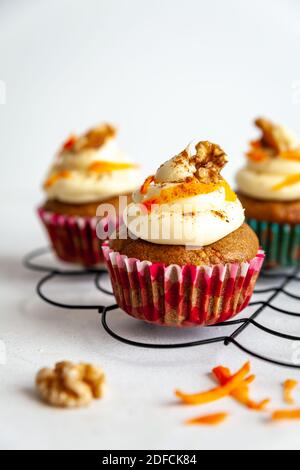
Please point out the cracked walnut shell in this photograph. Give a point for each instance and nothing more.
(70, 385)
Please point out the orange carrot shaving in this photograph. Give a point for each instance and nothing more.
(103, 166)
(250, 379)
(217, 393)
(288, 387)
(230, 195)
(69, 143)
(150, 202)
(146, 184)
(208, 420)
(56, 177)
(257, 153)
(291, 155)
(241, 394)
(189, 189)
(288, 181)
(281, 415)
(256, 144)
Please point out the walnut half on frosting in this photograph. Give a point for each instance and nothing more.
(209, 160)
(70, 385)
(203, 162)
(275, 137)
(91, 140)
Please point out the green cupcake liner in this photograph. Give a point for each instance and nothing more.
(281, 242)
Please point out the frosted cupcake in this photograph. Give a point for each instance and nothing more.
(269, 189)
(88, 171)
(189, 259)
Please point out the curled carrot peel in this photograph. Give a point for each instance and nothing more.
(257, 155)
(241, 393)
(217, 393)
(208, 420)
(291, 155)
(257, 152)
(64, 174)
(146, 184)
(249, 380)
(288, 387)
(103, 166)
(70, 142)
(189, 189)
(281, 415)
(288, 181)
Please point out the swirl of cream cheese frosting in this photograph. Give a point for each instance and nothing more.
(177, 208)
(91, 168)
(272, 172)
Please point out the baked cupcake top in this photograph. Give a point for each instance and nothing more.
(187, 202)
(91, 167)
(273, 165)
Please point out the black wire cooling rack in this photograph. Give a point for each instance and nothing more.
(284, 277)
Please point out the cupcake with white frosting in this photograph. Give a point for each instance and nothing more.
(89, 171)
(188, 258)
(269, 188)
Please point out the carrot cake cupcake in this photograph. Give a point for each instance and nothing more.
(269, 189)
(88, 171)
(188, 258)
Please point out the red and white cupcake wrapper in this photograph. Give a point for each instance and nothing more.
(74, 239)
(181, 295)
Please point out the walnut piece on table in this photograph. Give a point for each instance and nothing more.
(70, 385)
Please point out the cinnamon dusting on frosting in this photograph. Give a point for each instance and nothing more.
(221, 215)
(189, 189)
(190, 173)
(187, 201)
(203, 164)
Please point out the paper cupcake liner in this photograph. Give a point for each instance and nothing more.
(181, 295)
(74, 239)
(281, 242)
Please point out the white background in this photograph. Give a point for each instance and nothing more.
(165, 72)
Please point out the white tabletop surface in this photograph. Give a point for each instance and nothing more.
(139, 410)
(166, 75)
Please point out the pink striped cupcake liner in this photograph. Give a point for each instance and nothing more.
(181, 295)
(74, 239)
